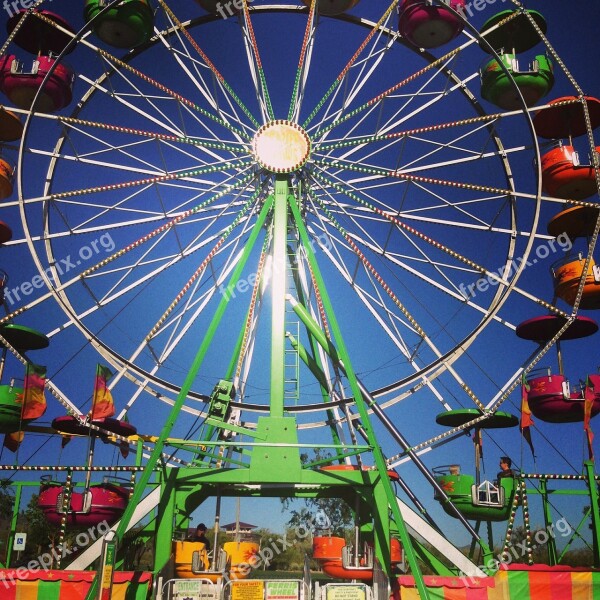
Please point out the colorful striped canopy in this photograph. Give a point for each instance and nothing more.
(517, 582)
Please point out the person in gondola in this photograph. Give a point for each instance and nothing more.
(200, 536)
(506, 468)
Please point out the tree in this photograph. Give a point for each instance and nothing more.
(40, 534)
(322, 513)
(7, 501)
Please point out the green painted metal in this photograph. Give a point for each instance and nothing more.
(164, 524)
(588, 466)
(13, 523)
(155, 456)
(278, 283)
(387, 501)
(551, 544)
(315, 359)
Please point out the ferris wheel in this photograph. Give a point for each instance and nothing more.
(273, 209)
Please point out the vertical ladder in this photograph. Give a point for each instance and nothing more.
(292, 357)
(292, 364)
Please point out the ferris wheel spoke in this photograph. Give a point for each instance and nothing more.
(303, 63)
(181, 28)
(372, 33)
(388, 319)
(248, 207)
(498, 276)
(58, 286)
(255, 59)
(132, 89)
(366, 69)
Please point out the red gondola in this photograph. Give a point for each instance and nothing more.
(428, 25)
(563, 176)
(552, 400)
(21, 87)
(36, 35)
(102, 502)
(560, 120)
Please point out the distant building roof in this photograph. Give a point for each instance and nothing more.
(242, 526)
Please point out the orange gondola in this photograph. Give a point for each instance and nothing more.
(335, 557)
(11, 127)
(6, 179)
(574, 221)
(567, 275)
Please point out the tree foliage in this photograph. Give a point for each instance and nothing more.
(7, 502)
(333, 514)
(40, 533)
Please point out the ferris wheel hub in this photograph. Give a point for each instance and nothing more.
(281, 146)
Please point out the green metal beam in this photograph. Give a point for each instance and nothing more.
(588, 466)
(278, 288)
(378, 456)
(156, 454)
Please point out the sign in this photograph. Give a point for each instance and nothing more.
(194, 589)
(282, 590)
(183, 586)
(106, 577)
(247, 590)
(346, 592)
(20, 541)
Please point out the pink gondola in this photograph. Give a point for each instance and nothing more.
(103, 502)
(563, 176)
(551, 399)
(428, 25)
(21, 87)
